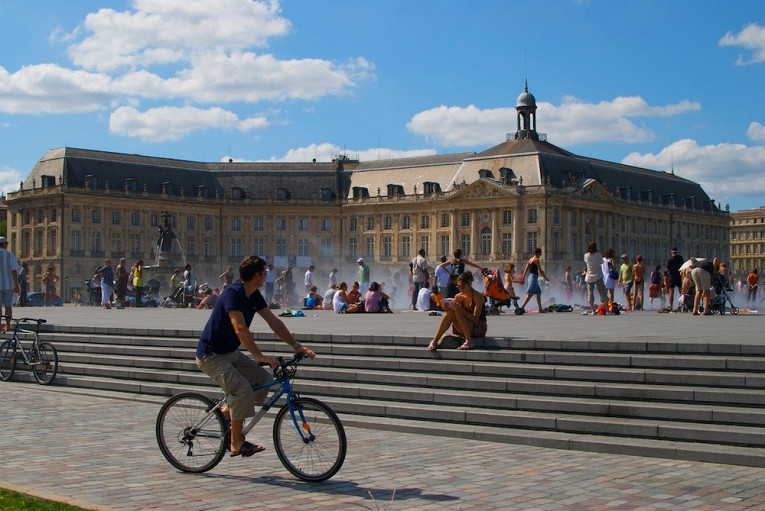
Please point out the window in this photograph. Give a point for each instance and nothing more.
(281, 224)
(53, 214)
(257, 225)
(75, 216)
(135, 219)
(96, 217)
(370, 247)
(191, 245)
(406, 246)
(531, 242)
(574, 247)
(555, 242)
(353, 226)
(507, 217)
(326, 248)
(303, 224)
(394, 190)
(507, 243)
(281, 247)
(236, 247)
(425, 222)
(115, 217)
(239, 193)
(40, 216)
(95, 243)
(446, 247)
(326, 224)
(135, 244)
(430, 187)
(406, 222)
(303, 248)
(556, 216)
(465, 243)
(388, 223)
(353, 247)
(387, 246)
(76, 243)
(485, 241)
(371, 223)
(532, 216)
(116, 243)
(327, 194)
(425, 244)
(258, 247)
(465, 219)
(154, 220)
(52, 241)
(445, 221)
(190, 223)
(236, 225)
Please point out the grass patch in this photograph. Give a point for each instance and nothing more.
(14, 501)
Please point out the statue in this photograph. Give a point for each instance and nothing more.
(166, 235)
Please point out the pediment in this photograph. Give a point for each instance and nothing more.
(592, 189)
(482, 189)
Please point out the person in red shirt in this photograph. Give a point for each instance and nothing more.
(752, 279)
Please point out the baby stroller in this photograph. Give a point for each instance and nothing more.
(495, 293)
(721, 288)
(179, 297)
(94, 290)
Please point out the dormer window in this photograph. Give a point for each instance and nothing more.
(485, 174)
(203, 191)
(91, 181)
(360, 192)
(327, 194)
(238, 193)
(130, 185)
(430, 187)
(282, 194)
(394, 190)
(167, 188)
(506, 175)
(47, 181)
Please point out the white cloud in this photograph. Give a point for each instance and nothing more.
(756, 132)
(723, 170)
(173, 123)
(752, 37)
(48, 88)
(168, 31)
(325, 152)
(573, 122)
(9, 179)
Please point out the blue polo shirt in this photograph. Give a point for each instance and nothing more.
(219, 335)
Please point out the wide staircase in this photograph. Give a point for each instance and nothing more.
(702, 402)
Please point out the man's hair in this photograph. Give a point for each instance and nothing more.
(421, 252)
(251, 266)
(592, 247)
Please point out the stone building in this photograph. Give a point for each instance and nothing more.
(747, 241)
(78, 206)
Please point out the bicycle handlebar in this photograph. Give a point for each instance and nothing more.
(288, 366)
(29, 320)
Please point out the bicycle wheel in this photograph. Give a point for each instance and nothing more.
(190, 437)
(7, 360)
(321, 454)
(44, 363)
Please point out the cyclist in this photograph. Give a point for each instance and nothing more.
(218, 353)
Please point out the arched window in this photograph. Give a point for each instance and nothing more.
(239, 193)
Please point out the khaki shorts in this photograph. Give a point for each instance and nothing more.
(702, 279)
(236, 373)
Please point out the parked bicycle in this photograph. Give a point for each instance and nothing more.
(309, 438)
(40, 356)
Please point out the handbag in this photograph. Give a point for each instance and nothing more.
(479, 328)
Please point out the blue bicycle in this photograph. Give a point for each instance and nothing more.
(309, 438)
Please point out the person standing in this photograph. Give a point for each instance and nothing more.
(594, 276)
(443, 272)
(626, 280)
(701, 273)
(363, 276)
(107, 283)
(673, 276)
(309, 278)
(533, 270)
(189, 286)
(227, 277)
(218, 353)
(270, 279)
(121, 277)
(419, 275)
(49, 281)
(332, 279)
(638, 270)
(9, 282)
(139, 281)
(23, 278)
(752, 279)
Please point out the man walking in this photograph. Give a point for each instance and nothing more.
(419, 275)
(9, 283)
(363, 276)
(673, 275)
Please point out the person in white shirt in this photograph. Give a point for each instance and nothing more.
(9, 283)
(309, 278)
(423, 297)
(443, 272)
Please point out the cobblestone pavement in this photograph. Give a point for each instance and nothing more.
(100, 452)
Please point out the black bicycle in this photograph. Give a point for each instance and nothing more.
(40, 356)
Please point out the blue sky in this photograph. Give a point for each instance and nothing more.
(657, 84)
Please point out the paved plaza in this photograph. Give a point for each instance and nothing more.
(101, 453)
(98, 449)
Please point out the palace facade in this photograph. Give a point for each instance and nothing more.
(79, 206)
(747, 241)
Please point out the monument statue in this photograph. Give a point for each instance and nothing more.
(165, 236)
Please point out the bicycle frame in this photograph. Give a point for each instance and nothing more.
(18, 346)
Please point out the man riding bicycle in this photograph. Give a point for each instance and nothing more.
(218, 353)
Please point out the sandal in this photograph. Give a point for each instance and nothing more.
(466, 346)
(433, 346)
(247, 449)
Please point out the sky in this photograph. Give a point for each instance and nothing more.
(676, 85)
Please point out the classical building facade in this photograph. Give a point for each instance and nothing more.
(747, 241)
(79, 206)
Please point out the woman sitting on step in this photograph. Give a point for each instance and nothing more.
(466, 315)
